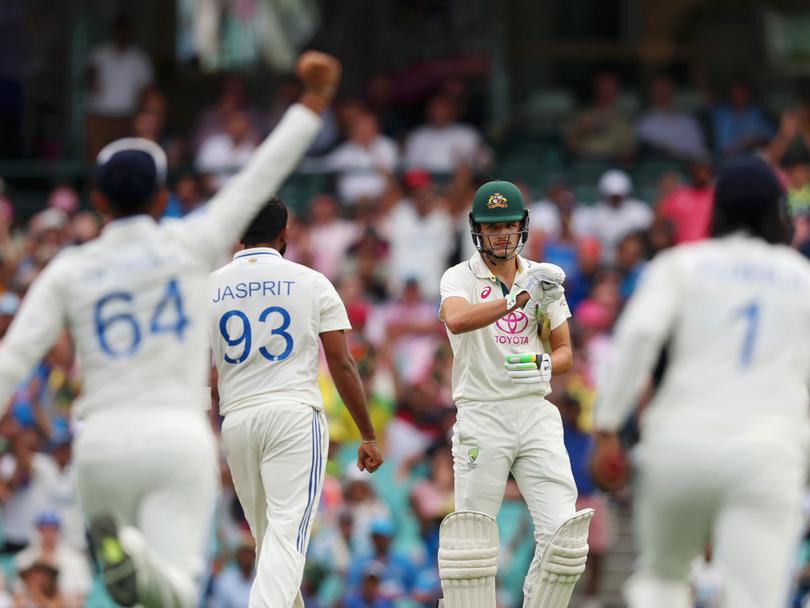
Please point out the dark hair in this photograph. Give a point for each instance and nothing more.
(748, 196)
(129, 180)
(268, 224)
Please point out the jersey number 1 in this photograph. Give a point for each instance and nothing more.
(750, 313)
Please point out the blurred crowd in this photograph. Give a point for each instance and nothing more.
(388, 222)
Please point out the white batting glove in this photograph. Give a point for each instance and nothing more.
(543, 282)
(528, 368)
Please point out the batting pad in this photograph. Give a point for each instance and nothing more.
(562, 564)
(468, 559)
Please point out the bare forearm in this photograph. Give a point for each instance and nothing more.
(476, 316)
(350, 388)
(562, 358)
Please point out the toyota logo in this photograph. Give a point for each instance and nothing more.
(513, 323)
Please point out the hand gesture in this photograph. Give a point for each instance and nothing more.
(369, 457)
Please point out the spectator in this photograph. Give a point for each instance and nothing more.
(185, 198)
(23, 479)
(118, 73)
(85, 226)
(421, 236)
(616, 214)
(224, 154)
(365, 162)
(689, 206)
(396, 572)
(663, 131)
(232, 98)
(231, 587)
(432, 498)
(411, 328)
(630, 261)
(9, 303)
(39, 588)
(602, 131)
(739, 126)
(330, 235)
(442, 144)
(74, 579)
(369, 594)
(62, 487)
(364, 506)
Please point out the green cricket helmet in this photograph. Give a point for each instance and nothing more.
(499, 202)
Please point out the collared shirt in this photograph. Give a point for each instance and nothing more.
(134, 299)
(478, 372)
(266, 315)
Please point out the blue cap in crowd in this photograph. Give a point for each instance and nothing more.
(49, 518)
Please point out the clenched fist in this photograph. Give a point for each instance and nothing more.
(319, 72)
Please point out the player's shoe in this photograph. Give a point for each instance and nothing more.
(117, 568)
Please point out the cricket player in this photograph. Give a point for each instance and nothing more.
(502, 310)
(724, 442)
(267, 317)
(134, 303)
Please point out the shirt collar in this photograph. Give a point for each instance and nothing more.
(254, 251)
(129, 225)
(482, 271)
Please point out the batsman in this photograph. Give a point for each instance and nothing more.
(506, 319)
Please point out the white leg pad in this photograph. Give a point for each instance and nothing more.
(562, 564)
(468, 559)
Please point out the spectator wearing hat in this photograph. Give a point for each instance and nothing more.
(74, 579)
(231, 587)
(38, 587)
(616, 214)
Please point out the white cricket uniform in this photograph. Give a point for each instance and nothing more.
(723, 453)
(134, 303)
(503, 426)
(266, 317)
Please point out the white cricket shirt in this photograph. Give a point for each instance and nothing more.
(478, 372)
(266, 315)
(736, 314)
(134, 300)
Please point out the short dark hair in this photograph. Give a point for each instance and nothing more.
(749, 196)
(268, 224)
(129, 181)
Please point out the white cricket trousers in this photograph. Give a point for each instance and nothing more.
(156, 472)
(490, 440)
(277, 456)
(740, 493)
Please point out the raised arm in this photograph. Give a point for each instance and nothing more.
(34, 330)
(460, 316)
(641, 331)
(236, 204)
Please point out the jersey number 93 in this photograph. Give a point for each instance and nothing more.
(244, 336)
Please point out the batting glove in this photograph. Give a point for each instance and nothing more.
(543, 282)
(528, 368)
